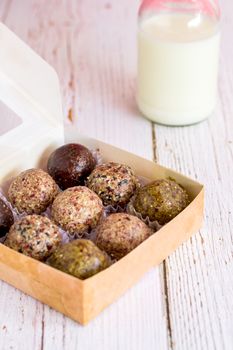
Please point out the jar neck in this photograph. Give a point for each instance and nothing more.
(208, 8)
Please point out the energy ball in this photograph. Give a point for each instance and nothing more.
(35, 236)
(32, 191)
(114, 183)
(120, 233)
(160, 200)
(80, 258)
(6, 218)
(77, 210)
(70, 165)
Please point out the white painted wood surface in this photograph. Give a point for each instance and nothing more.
(187, 302)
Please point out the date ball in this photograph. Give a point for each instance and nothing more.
(70, 165)
(80, 258)
(77, 210)
(120, 233)
(32, 191)
(160, 200)
(35, 236)
(6, 218)
(114, 183)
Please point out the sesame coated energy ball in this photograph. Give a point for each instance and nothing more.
(70, 165)
(77, 210)
(35, 236)
(120, 233)
(6, 218)
(114, 183)
(80, 258)
(160, 200)
(32, 191)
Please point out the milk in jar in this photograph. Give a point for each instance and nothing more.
(177, 67)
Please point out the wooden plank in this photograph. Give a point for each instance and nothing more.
(199, 282)
(92, 46)
(20, 315)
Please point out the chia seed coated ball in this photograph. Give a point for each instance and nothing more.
(77, 210)
(114, 183)
(80, 258)
(32, 191)
(70, 165)
(35, 236)
(6, 218)
(120, 233)
(160, 200)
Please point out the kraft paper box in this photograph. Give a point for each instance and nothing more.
(37, 104)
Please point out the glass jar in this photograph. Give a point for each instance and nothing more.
(178, 54)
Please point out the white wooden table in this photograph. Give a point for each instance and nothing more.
(187, 302)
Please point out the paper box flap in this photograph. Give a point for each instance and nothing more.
(25, 76)
(30, 97)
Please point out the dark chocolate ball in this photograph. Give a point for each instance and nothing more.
(70, 165)
(6, 218)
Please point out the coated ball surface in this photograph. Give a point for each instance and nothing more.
(80, 258)
(114, 183)
(160, 200)
(120, 233)
(77, 210)
(32, 191)
(35, 236)
(70, 165)
(6, 218)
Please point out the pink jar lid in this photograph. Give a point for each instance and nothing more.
(207, 7)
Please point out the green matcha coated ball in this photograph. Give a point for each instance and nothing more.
(160, 200)
(80, 258)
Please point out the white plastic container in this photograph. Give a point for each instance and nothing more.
(30, 91)
(178, 51)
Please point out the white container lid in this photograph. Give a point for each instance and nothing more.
(29, 88)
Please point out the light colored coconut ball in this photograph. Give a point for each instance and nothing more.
(35, 236)
(77, 210)
(32, 191)
(114, 183)
(120, 233)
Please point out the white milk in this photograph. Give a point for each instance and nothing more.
(177, 68)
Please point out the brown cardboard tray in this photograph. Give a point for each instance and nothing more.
(84, 300)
